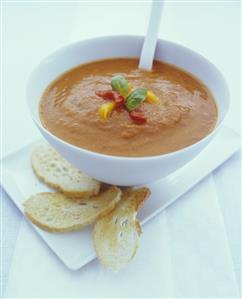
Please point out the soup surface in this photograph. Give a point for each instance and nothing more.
(187, 111)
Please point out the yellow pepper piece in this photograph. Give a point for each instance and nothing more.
(130, 88)
(106, 109)
(152, 98)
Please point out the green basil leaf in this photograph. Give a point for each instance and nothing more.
(135, 98)
(120, 84)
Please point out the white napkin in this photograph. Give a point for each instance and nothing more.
(183, 253)
(201, 259)
(227, 179)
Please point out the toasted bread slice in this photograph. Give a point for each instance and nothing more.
(51, 168)
(55, 212)
(116, 235)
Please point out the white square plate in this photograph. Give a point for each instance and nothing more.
(76, 249)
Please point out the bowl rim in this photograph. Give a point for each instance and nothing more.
(126, 158)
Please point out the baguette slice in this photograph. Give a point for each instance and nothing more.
(55, 212)
(116, 235)
(51, 168)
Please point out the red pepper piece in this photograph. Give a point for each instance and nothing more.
(112, 96)
(137, 117)
(119, 102)
(107, 94)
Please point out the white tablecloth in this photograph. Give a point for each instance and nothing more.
(190, 250)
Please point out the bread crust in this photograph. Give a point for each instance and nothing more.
(120, 222)
(57, 186)
(113, 195)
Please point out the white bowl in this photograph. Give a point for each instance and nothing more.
(124, 170)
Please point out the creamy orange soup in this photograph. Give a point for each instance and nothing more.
(69, 108)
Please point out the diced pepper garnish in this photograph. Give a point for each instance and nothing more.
(124, 96)
(130, 87)
(152, 98)
(106, 94)
(119, 100)
(106, 109)
(137, 117)
(112, 96)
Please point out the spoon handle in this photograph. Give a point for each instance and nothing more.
(149, 45)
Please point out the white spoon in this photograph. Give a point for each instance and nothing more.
(148, 49)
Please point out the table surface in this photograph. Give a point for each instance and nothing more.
(33, 30)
